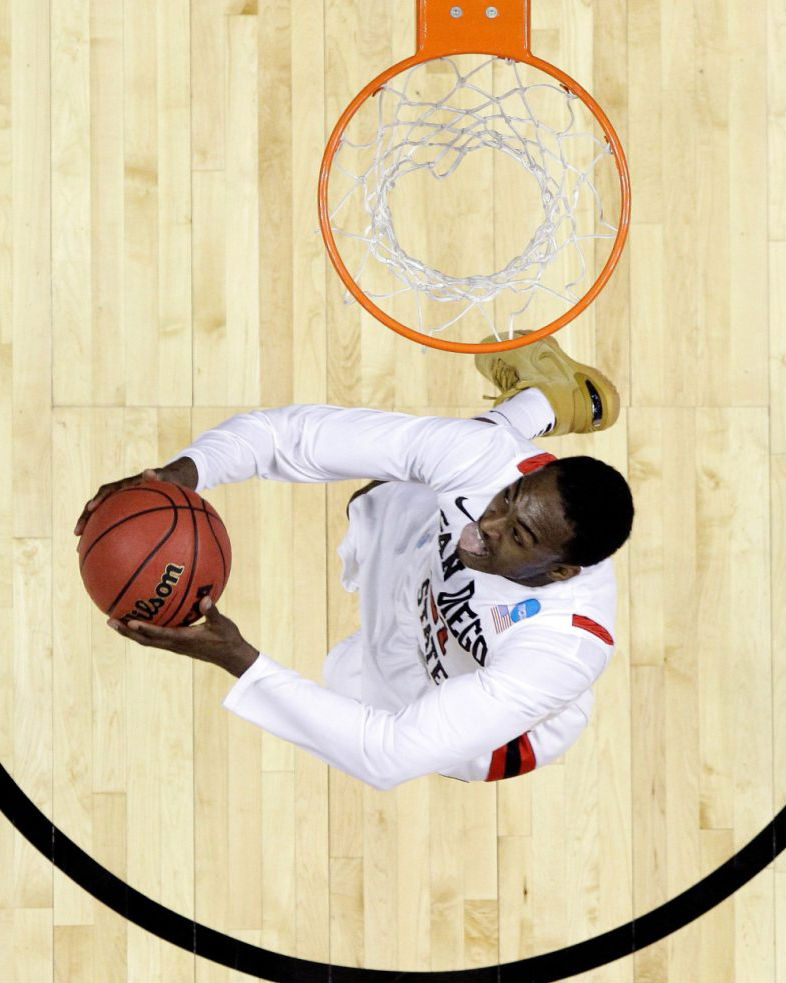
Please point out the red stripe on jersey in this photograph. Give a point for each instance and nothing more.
(497, 766)
(535, 463)
(512, 759)
(579, 621)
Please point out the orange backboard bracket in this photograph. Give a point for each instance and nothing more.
(501, 28)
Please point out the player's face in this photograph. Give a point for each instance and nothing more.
(521, 534)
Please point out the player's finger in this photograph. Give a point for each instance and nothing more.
(209, 610)
(81, 522)
(143, 633)
(92, 504)
(155, 632)
(126, 632)
(106, 489)
(218, 623)
(149, 474)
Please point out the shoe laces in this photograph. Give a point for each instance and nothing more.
(504, 375)
(506, 378)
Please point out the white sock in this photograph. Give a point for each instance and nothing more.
(529, 412)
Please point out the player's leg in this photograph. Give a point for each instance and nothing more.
(581, 398)
(543, 392)
(527, 411)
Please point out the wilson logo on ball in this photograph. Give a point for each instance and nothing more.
(147, 610)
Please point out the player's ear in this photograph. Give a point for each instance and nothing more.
(564, 571)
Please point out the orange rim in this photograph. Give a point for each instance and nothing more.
(426, 52)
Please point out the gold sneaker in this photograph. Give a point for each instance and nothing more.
(582, 398)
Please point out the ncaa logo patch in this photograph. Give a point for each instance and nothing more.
(504, 616)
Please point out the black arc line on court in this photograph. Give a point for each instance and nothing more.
(206, 942)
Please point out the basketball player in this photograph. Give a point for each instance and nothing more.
(487, 593)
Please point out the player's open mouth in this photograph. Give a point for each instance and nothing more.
(471, 540)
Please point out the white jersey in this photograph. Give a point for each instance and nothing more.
(453, 671)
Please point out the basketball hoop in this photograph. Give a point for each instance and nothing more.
(557, 180)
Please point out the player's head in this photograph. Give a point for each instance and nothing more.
(572, 513)
(597, 503)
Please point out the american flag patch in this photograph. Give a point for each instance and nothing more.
(501, 617)
(504, 616)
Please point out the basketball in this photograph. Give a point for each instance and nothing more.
(151, 552)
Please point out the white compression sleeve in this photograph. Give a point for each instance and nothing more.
(529, 412)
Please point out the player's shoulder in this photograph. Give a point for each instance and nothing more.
(561, 618)
(530, 624)
(560, 649)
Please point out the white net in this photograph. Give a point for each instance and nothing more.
(452, 240)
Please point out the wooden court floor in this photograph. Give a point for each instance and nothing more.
(160, 270)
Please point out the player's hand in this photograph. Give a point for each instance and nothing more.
(215, 640)
(182, 471)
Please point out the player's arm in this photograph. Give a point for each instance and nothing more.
(329, 443)
(465, 717)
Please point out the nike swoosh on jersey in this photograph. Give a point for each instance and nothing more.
(460, 506)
